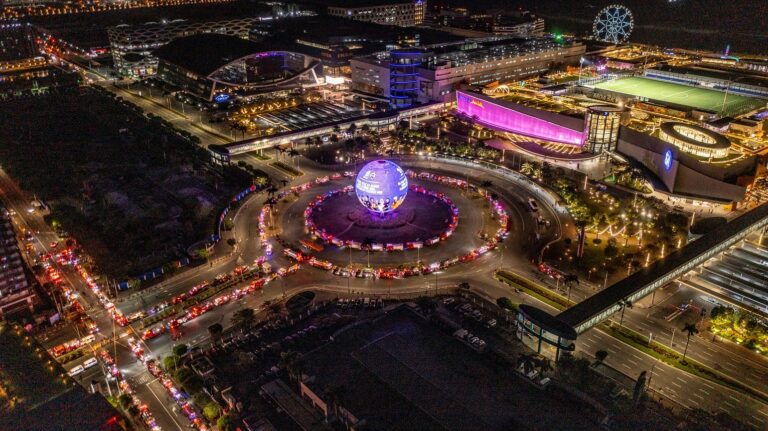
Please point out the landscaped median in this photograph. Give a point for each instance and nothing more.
(674, 359)
(539, 292)
(287, 168)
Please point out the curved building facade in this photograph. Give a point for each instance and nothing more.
(601, 128)
(205, 65)
(519, 119)
(695, 140)
(404, 77)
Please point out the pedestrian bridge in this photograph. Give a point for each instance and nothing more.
(603, 304)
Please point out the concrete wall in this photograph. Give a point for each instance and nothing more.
(684, 174)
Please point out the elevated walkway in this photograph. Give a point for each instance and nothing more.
(600, 306)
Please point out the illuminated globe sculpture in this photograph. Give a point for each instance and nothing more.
(381, 186)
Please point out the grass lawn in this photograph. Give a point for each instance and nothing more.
(678, 94)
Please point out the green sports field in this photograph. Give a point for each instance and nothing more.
(682, 95)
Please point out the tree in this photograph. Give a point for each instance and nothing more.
(231, 242)
(203, 253)
(215, 331)
(226, 423)
(543, 364)
(180, 349)
(244, 318)
(486, 184)
(125, 401)
(624, 304)
(212, 411)
(170, 362)
(690, 329)
(527, 362)
(464, 285)
(505, 303)
(600, 356)
(293, 363)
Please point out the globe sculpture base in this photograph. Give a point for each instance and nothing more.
(420, 218)
(393, 220)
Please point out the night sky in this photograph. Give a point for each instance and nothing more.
(704, 24)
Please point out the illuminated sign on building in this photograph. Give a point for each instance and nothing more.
(668, 159)
(221, 98)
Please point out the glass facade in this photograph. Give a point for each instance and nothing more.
(545, 341)
(404, 77)
(601, 128)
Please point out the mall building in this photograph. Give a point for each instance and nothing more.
(433, 72)
(132, 46)
(212, 66)
(395, 12)
(680, 158)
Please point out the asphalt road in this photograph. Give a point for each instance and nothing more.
(515, 255)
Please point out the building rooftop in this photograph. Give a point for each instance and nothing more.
(206, 52)
(616, 292)
(401, 372)
(88, 30)
(477, 50)
(367, 3)
(370, 37)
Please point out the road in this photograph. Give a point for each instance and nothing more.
(136, 374)
(480, 274)
(642, 318)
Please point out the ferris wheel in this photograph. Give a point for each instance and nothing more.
(613, 24)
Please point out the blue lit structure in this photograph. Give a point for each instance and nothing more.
(381, 186)
(404, 77)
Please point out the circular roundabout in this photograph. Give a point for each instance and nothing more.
(389, 223)
(337, 218)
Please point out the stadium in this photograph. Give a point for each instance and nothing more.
(677, 96)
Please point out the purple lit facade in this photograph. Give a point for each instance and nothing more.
(505, 118)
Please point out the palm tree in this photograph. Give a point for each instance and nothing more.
(293, 364)
(464, 285)
(600, 356)
(284, 182)
(244, 318)
(366, 244)
(486, 184)
(543, 364)
(275, 309)
(337, 396)
(293, 153)
(690, 329)
(527, 362)
(215, 330)
(624, 304)
(271, 190)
